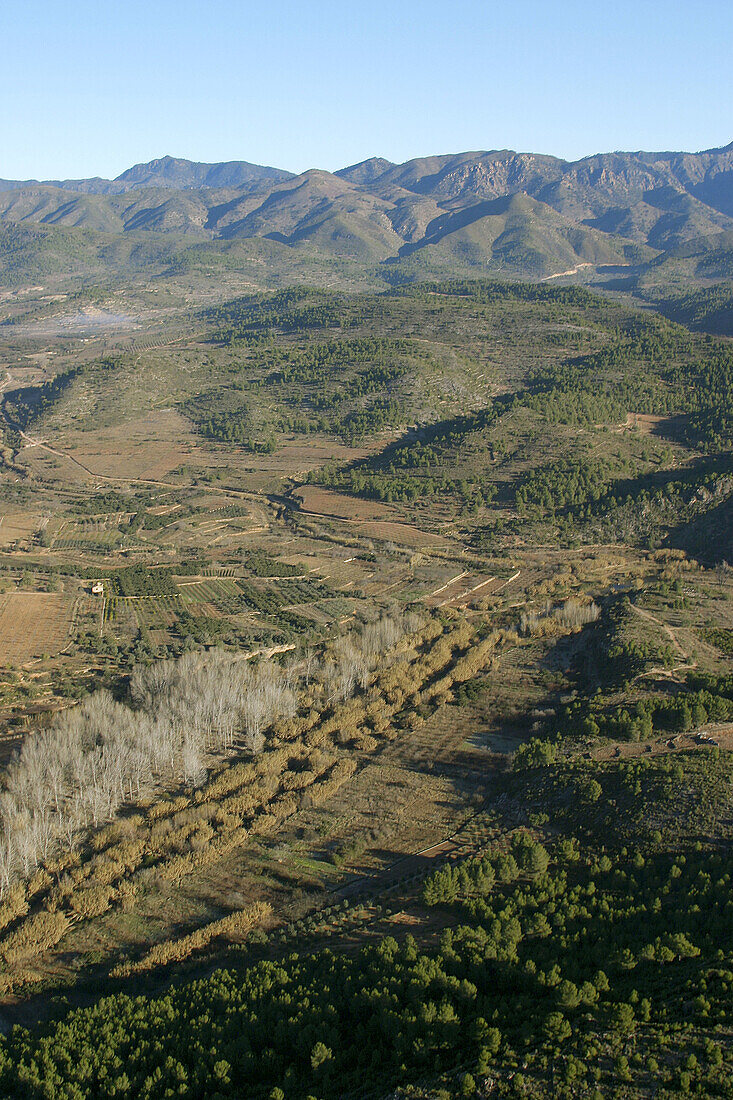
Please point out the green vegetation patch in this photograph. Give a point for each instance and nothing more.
(582, 967)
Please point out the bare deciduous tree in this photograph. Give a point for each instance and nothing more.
(79, 772)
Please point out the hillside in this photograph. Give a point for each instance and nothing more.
(518, 234)
(586, 214)
(366, 626)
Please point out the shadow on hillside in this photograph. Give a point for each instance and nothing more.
(709, 537)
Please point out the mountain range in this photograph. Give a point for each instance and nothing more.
(522, 213)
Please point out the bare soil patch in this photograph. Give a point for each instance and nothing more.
(149, 447)
(400, 532)
(644, 423)
(294, 458)
(31, 624)
(324, 502)
(372, 519)
(17, 526)
(88, 321)
(710, 735)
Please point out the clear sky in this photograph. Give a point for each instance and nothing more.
(90, 87)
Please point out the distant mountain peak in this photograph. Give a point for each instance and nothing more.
(178, 173)
(366, 171)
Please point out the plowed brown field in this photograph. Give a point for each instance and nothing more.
(31, 624)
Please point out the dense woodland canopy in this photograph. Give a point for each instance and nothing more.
(573, 966)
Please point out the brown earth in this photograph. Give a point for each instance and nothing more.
(324, 502)
(400, 532)
(372, 519)
(31, 624)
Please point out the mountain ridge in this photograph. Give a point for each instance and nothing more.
(175, 173)
(605, 206)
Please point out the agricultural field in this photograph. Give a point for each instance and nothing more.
(33, 625)
(20, 528)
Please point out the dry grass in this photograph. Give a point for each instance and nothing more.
(149, 447)
(461, 590)
(18, 526)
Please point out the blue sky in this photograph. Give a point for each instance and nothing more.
(93, 87)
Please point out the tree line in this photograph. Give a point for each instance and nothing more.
(180, 713)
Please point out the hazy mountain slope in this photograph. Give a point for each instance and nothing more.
(588, 212)
(322, 209)
(594, 183)
(167, 211)
(658, 199)
(664, 218)
(470, 177)
(707, 175)
(92, 186)
(709, 257)
(30, 251)
(519, 234)
(52, 206)
(366, 171)
(172, 173)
